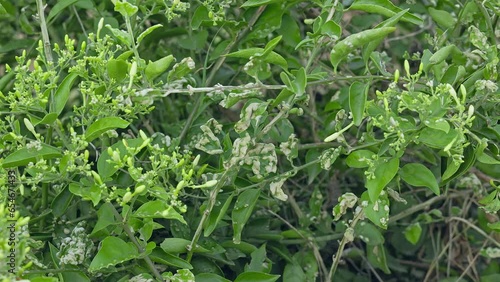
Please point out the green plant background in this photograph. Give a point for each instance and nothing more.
(256, 140)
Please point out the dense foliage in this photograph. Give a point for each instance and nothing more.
(249, 140)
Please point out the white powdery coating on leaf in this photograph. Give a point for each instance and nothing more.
(276, 190)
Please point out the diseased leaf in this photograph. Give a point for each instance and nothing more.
(384, 173)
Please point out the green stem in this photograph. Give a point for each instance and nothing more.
(45, 34)
(344, 241)
(142, 251)
(218, 64)
(206, 213)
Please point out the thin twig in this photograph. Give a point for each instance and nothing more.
(45, 34)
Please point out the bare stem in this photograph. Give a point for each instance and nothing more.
(45, 34)
(132, 238)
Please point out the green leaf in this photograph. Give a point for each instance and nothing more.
(271, 45)
(435, 138)
(58, 8)
(159, 256)
(147, 32)
(376, 257)
(91, 193)
(369, 233)
(24, 156)
(106, 169)
(158, 209)
(348, 44)
(300, 82)
(413, 232)
(61, 202)
(179, 245)
(242, 210)
(294, 273)
(117, 69)
(359, 158)
(216, 215)
(200, 15)
(102, 125)
(391, 22)
(156, 68)
(113, 251)
(384, 173)
(125, 8)
(271, 58)
(256, 277)
(442, 18)
(438, 123)
(105, 218)
(376, 211)
(331, 29)
(255, 3)
(418, 175)
(385, 8)
(315, 169)
(61, 95)
(358, 93)
(210, 277)
(442, 54)
(257, 264)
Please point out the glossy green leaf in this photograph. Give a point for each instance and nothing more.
(102, 125)
(147, 32)
(117, 69)
(125, 8)
(376, 257)
(179, 245)
(331, 29)
(24, 156)
(442, 18)
(90, 192)
(158, 209)
(210, 277)
(255, 3)
(391, 22)
(159, 256)
(61, 202)
(435, 138)
(441, 54)
(418, 175)
(113, 251)
(358, 93)
(105, 218)
(242, 210)
(104, 168)
(271, 58)
(438, 123)
(385, 8)
(413, 232)
(156, 68)
(61, 95)
(359, 158)
(354, 41)
(216, 215)
(256, 277)
(384, 173)
(58, 8)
